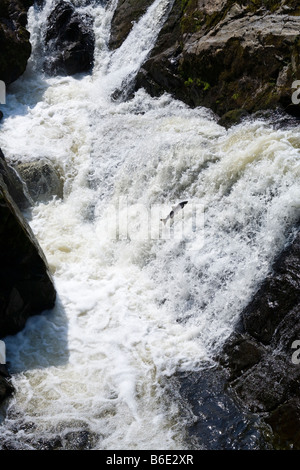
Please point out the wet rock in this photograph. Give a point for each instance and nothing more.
(276, 297)
(69, 41)
(79, 440)
(240, 353)
(42, 179)
(216, 54)
(285, 421)
(234, 116)
(14, 39)
(217, 420)
(26, 286)
(4, 371)
(126, 13)
(6, 389)
(263, 374)
(14, 184)
(268, 384)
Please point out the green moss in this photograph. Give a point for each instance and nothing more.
(192, 17)
(232, 117)
(198, 83)
(189, 82)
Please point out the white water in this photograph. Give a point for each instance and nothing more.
(131, 313)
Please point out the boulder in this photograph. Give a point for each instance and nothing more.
(240, 353)
(26, 286)
(14, 184)
(43, 181)
(14, 39)
(69, 41)
(6, 388)
(285, 421)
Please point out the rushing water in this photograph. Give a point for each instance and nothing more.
(135, 305)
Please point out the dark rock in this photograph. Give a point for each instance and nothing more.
(235, 116)
(126, 13)
(79, 440)
(69, 41)
(276, 297)
(285, 421)
(13, 183)
(287, 331)
(268, 384)
(6, 389)
(40, 3)
(4, 371)
(14, 39)
(26, 286)
(240, 353)
(217, 420)
(42, 180)
(259, 357)
(216, 54)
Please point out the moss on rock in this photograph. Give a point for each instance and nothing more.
(228, 55)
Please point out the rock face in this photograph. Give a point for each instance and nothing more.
(6, 389)
(263, 357)
(127, 12)
(14, 184)
(69, 41)
(26, 285)
(42, 180)
(14, 39)
(223, 54)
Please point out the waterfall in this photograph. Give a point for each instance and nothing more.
(135, 306)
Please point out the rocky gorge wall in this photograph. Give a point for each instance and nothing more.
(235, 57)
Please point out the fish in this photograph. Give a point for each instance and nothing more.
(173, 211)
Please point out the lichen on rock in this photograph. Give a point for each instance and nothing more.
(227, 55)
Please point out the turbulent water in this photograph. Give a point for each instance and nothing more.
(138, 302)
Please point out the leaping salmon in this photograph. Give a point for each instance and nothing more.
(174, 210)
